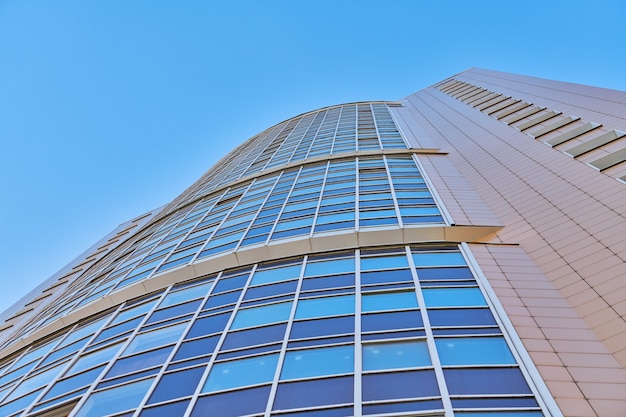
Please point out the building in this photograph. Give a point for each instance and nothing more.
(460, 252)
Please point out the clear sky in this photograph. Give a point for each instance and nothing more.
(110, 108)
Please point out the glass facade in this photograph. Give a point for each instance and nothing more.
(360, 332)
(373, 328)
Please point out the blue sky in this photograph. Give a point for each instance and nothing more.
(110, 108)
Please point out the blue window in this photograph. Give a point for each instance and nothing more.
(331, 266)
(327, 306)
(322, 327)
(396, 385)
(137, 362)
(336, 281)
(316, 392)
(186, 294)
(222, 299)
(461, 317)
(94, 358)
(258, 316)
(228, 283)
(208, 325)
(74, 382)
(382, 277)
(114, 400)
(483, 381)
(450, 273)
(198, 347)
(177, 310)
(438, 259)
(274, 275)
(177, 385)
(473, 351)
(241, 372)
(172, 409)
(379, 356)
(318, 362)
(384, 262)
(160, 337)
(389, 301)
(271, 290)
(391, 321)
(453, 297)
(407, 407)
(232, 404)
(254, 336)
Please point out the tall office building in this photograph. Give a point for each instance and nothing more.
(460, 252)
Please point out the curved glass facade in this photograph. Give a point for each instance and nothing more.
(309, 274)
(359, 332)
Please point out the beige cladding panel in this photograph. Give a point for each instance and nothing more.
(570, 220)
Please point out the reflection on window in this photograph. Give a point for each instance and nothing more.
(318, 362)
(379, 356)
(241, 372)
(115, 400)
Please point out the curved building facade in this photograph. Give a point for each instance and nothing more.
(357, 260)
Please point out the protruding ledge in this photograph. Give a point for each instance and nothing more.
(281, 249)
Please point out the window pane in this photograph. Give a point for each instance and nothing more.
(453, 297)
(461, 317)
(331, 266)
(391, 321)
(381, 277)
(177, 385)
(482, 381)
(95, 358)
(118, 399)
(275, 275)
(196, 347)
(186, 294)
(315, 392)
(389, 301)
(384, 262)
(208, 325)
(155, 338)
(318, 362)
(474, 351)
(141, 361)
(241, 372)
(74, 382)
(254, 336)
(172, 409)
(321, 307)
(435, 259)
(395, 355)
(394, 385)
(322, 327)
(258, 316)
(232, 404)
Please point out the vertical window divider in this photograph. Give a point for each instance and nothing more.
(332, 148)
(319, 200)
(433, 192)
(393, 193)
(358, 348)
(398, 127)
(282, 208)
(526, 364)
(220, 342)
(73, 360)
(430, 338)
(267, 196)
(159, 375)
(380, 142)
(283, 347)
(114, 359)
